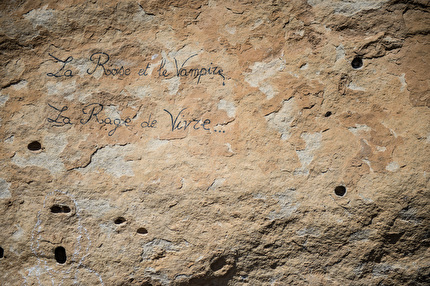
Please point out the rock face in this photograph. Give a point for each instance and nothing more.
(214, 142)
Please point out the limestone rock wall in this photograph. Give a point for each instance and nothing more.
(214, 142)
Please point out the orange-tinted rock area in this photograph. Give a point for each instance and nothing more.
(214, 142)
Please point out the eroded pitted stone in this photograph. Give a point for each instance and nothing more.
(214, 143)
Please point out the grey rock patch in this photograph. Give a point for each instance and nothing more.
(111, 159)
(4, 189)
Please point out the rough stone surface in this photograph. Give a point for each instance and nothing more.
(214, 142)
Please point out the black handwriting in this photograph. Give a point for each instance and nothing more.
(67, 73)
(161, 70)
(144, 71)
(176, 125)
(100, 59)
(93, 110)
(197, 72)
(61, 120)
(149, 123)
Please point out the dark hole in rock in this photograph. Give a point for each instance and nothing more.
(274, 265)
(340, 191)
(34, 146)
(142, 230)
(56, 209)
(218, 264)
(60, 209)
(375, 256)
(327, 114)
(357, 62)
(392, 238)
(60, 254)
(1, 252)
(119, 220)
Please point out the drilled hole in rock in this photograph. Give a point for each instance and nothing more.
(1, 252)
(55, 209)
(218, 264)
(327, 114)
(142, 230)
(274, 265)
(60, 209)
(119, 220)
(357, 63)
(34, 146)
(60, 254)
(340, 191)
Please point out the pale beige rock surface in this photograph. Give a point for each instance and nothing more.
(214, 142)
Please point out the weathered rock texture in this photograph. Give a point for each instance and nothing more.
(214, 142)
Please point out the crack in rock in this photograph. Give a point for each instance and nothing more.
(110, 159)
